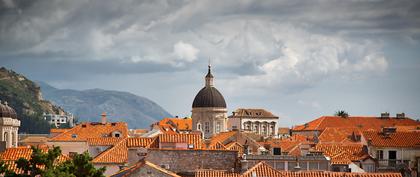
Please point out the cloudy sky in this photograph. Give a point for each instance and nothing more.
(298, 59)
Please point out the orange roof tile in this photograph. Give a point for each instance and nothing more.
(253, 113)
(217, 145)
(194, 139)
(59, 130)
(103, 141)
(10, 155)
(139, 141)
(262, 169)
(396, 139)
(87, 130)
(181, 124)
(339, 135)
(223, 136)
(117, 154)
(134, 168)
(364, 123)
(215, 173)
(341, 153)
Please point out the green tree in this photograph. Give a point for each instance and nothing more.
(43, 164)
(341, 113)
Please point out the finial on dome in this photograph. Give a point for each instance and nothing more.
(5, 103)
(209, 77)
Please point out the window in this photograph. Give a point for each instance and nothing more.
(379, 154)
(276, 151)
(207, 127)
(217, 127)
(234, 127)
(198, 126)
(74, 136)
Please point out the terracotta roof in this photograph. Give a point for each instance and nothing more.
(408, 128)
(10, 155)
(139, 141)
(396, 139)
(87, 130)
(336, 174)
(217, 145)
(140, 131)
(253, 113)
(342, 153)
(215, 173)
(262, 169)
(235, 146)
(340, 135)
(194, 139)
(223, 136)
(134, 169)
(103, 141)
(34, 139)
(117, 154)
(181, 124)
(364, 123)
(59, 130)
(167, 129)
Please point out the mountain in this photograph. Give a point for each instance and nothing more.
(87, 105)
(26, 98)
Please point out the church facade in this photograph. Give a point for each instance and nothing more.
(9, 126)
(209, 113)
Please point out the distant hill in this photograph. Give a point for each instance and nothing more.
(87, 105)
(26, 98)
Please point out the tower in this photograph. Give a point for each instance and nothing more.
(209, 113)
(9, 125)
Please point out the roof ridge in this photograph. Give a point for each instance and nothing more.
(161, 169)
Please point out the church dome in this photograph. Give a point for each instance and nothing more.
(209, 97)
(7, 111)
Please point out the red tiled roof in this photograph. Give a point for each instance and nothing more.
(117, 154)
(364, 123)
(341, 153)
(87, 130)
(396, 139)
(262, 169)
(59, 130)
(10, 155)
(134, 168)
(194, 139)
(103, 141)
(253, 113)
(139, 142)
(182, 124)
(215, 173)
(339, 135)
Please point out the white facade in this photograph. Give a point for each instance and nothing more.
(209, 121)
(9, 129)
(387, 160)
(57, 120)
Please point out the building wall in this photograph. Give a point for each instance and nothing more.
(402, 154)
(211, 115)
(190, 160)
(288, 163)
(70, 146)
(234, 122)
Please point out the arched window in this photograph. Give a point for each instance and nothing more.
(217, 127)
(207, 127)
(198, 126)
(5, 138)
(14, 144)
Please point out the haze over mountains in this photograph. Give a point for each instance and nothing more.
(87, 105)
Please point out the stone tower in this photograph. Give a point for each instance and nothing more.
(9, 125)
(209, 113)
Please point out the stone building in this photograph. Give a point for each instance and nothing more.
(209, 113)
(9, 125)
(259, 121)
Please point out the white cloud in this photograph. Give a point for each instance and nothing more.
(185, 51)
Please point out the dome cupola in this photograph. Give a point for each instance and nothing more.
(209, 96)
(7, 111)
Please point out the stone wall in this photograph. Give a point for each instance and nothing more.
(186, 161)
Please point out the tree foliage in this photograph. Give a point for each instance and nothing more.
(341, 113)
(44, 164)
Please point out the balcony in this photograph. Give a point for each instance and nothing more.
(392, 164)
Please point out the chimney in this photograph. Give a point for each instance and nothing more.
(385, 115)
(388, 130)
(400, 115)
(103, 118)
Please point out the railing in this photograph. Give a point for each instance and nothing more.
(392, 164)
